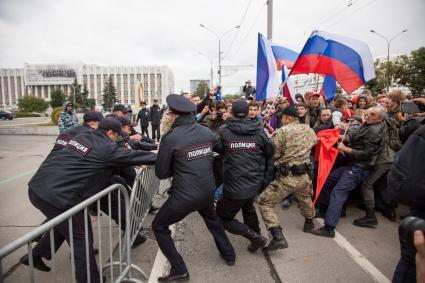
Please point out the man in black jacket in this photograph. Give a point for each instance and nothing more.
(364, 145)
(155, 118)
(73, 174)
(143, 116)
(246, 149)
(186, 154)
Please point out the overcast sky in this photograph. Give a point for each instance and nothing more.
(138, 32)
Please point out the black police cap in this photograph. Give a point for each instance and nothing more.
(113, 124)
(290, 111)
(92, 116)
(240, 108)
(120, 107)
(126, 122)
(180, 104)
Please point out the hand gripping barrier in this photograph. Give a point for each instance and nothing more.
(124, 262)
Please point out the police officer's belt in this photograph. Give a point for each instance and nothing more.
(296, 170)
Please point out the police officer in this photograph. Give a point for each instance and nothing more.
(186, 154)
(246, 149)
(293, 143)
(75, 173)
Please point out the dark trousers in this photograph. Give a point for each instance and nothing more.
(61, 233)
(145, 131)
(171, 213)
(368, 185)
(405, 272)
(343, 180)
(156, 132)
(227, 210)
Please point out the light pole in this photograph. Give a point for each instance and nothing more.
(388, 54)
(211, 68)
(219, 46)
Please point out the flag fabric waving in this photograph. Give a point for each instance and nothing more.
(284, 56)
(326, 155)
(267, 77)
(287, 89)
(328, 88)
(346, 59)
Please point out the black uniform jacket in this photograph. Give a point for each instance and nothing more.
(143, 116)
(186, 154)
(246, 149)
(155, 115)
(82, 167)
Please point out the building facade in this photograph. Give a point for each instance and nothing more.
(133, 83)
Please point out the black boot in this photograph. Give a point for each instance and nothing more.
(389, 212)
(140, 239)
(174, 278)
(308, 225)
(278, 241)
(37, 261)
(257, 240)
(369, 220)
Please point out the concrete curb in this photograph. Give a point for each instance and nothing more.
(39, 131)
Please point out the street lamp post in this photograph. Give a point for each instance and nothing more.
(388, 54)
(219, 46)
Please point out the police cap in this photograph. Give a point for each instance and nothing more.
(92, 116)
(112, 124)
(180, 104)
(126, 122)
(240, 108)
(290, 111)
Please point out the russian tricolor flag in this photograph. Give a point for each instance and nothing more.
(328, 88)
(348, 60)
(284, 56)
(267, 77)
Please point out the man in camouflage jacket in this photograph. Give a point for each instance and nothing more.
(67, 119)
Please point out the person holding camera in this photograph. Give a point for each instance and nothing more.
(407, 186)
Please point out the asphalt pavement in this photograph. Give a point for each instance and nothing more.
(355, 255)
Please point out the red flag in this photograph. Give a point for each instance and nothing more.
(327, 155)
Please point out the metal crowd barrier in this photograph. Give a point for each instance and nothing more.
(124, 262)
(145, 186)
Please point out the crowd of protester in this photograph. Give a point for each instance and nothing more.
(372, 130)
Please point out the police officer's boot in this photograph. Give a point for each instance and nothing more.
(278, 241)
(257, 240)
(308, 225)
(369, 220)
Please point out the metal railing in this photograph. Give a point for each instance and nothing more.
(124, 262)
(145, 186)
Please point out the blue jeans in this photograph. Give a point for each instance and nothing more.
(344, 179)
(218, 194)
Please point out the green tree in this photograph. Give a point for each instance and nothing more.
(409, 71)
(57, 98)
(75, 91)
(202, 90)
(30, 103)
(235, 96)
(84, 96)
(379, 82)
(91, 102)
(109, 95)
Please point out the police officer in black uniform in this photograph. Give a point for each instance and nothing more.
(73, 174)
(186, 154)
(246, 150)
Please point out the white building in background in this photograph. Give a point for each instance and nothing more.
(132, 82)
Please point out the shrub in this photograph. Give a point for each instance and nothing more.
(55, 114)
(26, 114)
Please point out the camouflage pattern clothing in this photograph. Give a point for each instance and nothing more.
(67, 120)
(166, 122)
(293, 143)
